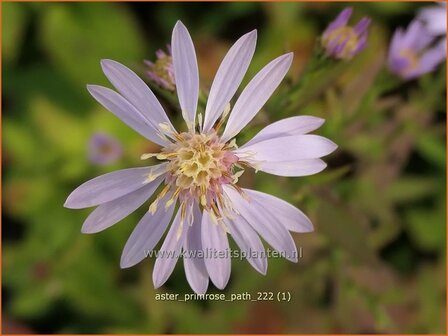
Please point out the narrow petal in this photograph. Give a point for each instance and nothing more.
(262, 220)
(289, 148)
(289, 126)
(255, 95)
(228, 77)
(291, 217)
(146, 235)
(362, 25)
(293, 168)
(110, 186)
(110, 213)
(216, 247)
(169, 253)
(135, 90)
(186, 72)
(433, 57)
(341, 20)
(124, 110)
(194, 264)
(249, 242)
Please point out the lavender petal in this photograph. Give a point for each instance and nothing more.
(168, 253)
(124, 110)
(110, 186)
(249, 242)
(214, 240)
(262, 221)
(229, 77)
(292, 218)
(291, 148)
(110, 213)
(186, 72)
(194, 265)
(135, 90)
(255, 95)
(289, 126)
(293, 168)
(146, 235)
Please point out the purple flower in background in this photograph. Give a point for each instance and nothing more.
(413, 53)
(200, 168)
(104, 149)
(162, 71)
(434, 18)
(342, 41)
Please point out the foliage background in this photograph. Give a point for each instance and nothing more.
(376, 261)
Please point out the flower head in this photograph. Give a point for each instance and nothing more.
(200, 167)
(342, 41)
(161, 71)
(104, 149)
(413, 53)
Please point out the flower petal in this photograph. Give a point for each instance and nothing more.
(135, 90)
(110, 213)
(216, 247)
(293, 168)
(249, 242)
(291, 217)
(288, 148)
(146, 234)
(255, 95)
(268, 226)
(194, 264)
(110, 186)
(228, 77)
(185, 72)
(124, 110)
(289, 126)
(168, 253)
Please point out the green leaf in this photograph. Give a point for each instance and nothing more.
(77, 40)
(13, 28)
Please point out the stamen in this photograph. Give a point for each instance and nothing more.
(147, 156)
(153, 206)
(225, 113)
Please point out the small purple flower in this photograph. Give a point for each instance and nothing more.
(200, 168)
(104, 149)
(413, 53)
(162, 71)
(342, 41)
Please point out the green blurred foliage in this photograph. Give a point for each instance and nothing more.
(376, 261)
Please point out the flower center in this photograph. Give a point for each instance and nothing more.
(199, 162)
(198, 166)
(341, 35)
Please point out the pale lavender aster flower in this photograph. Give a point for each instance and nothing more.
(342, 41)
(104, 149)
(161, 71)
(201, 166)
(413, 53)
(434, 18)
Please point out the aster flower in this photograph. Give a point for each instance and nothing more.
(434, 18)
(162, 72)
(201, 166)
(342, 41)
(104, 149)
(413, 53)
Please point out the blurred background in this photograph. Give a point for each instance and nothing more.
(376, 261)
